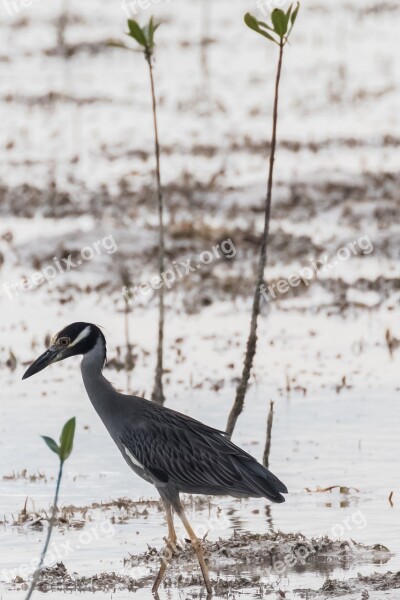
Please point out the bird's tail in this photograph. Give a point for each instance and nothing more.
(260, 481)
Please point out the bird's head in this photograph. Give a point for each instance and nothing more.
(73, 340)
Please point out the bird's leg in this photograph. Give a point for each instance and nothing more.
(198, 548)
(170, 548)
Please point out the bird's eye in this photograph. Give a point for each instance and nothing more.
(64, 341)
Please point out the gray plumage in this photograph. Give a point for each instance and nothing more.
(168, 449)
(177, 453)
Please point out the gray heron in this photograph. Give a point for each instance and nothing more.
(174, 452)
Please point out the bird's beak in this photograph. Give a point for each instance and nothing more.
(52, 355)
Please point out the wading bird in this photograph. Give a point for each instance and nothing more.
(170, 450)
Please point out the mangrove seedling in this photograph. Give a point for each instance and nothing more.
(278, 33)
(63, 451)
(144, 36)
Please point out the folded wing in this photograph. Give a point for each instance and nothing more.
(194, 458)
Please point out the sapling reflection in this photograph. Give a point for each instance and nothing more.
(63, 451)
(144, 36)
(278, 33)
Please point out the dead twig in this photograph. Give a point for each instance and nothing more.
(269, 434)
(342, 489)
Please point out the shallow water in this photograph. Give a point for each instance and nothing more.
(324, 438)
(340, 91)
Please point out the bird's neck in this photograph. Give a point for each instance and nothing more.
(93, 361)
(99, 390)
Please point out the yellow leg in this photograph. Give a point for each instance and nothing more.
(198, 548)
(169, 549)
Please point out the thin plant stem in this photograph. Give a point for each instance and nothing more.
(252, 339)
(125, 279)
(205, 34)
(128, 344)
(126, 323)
(61, 27)
(49, 533)
(158, 394)
(270, 421)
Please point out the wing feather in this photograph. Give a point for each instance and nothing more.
(196, 458)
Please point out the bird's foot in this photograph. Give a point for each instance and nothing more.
(170, 550)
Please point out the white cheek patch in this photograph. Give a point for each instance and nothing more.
(83, 334)
(133, 459)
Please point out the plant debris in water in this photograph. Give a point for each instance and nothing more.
(376, 582)
(275, 553)
(122, 510)
(274, 550)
